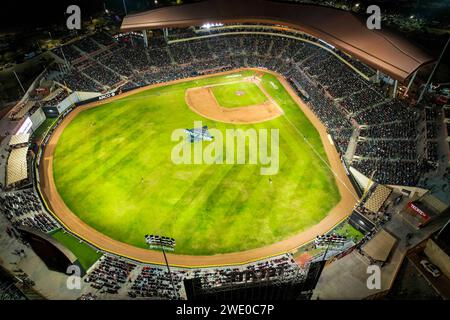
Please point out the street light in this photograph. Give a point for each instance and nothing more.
(157, 242)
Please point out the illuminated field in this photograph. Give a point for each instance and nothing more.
(112, 166)
(238, 94)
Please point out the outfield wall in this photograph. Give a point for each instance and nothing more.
(238, 258)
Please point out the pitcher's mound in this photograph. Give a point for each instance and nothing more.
(202, 101)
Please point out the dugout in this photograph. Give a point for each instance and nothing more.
(361, 223)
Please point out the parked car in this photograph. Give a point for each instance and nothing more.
(430, 268)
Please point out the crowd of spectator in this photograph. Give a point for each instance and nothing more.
(392, 111)
(78, 82)
(281, 268)
(378, 218)
(112, 274)
(156, 282)
(23, 109)
(86, 45)
(447, 112)
(62, 94)
(392, 149)
(432, 151)
(339, 96)
(103, 39)
(101, 74)
(67, 53)
(361, 100)
(117, 61)
(395, 172)
(402, 130)
(24, 208)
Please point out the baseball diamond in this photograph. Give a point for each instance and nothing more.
(210, 209)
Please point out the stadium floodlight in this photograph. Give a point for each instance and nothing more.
(329, 240)
(162, 243)
(210, 25)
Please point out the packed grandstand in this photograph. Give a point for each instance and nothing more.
(378, 136)
(375, 133)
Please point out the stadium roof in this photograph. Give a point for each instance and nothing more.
(383, 51)
(19, 139)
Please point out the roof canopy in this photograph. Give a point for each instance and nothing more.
(17, 169)
(380, 246)
(378, 48)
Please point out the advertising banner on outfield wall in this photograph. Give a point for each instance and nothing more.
(93, 98)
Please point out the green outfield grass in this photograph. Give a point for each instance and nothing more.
(85, 254)
(227, 94)
(113, 168)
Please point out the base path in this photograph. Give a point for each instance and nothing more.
(70, 221)
(202, 101)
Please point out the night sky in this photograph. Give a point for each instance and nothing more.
(16, 13)
(43, 13)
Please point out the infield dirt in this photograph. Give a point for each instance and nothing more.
(84, 231)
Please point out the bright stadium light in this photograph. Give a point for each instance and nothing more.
(209, 25)
(162, 243)
(328, 240)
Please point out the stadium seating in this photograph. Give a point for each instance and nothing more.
(24, 208)
(339, 96)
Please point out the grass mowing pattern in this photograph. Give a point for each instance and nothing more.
(105, 152)
(86, 255)
(226, 95)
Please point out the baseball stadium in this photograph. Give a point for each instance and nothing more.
(217, 148)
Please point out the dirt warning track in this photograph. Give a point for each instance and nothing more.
(70, 221)
(203, 102)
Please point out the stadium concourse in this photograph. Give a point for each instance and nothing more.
(377, 136)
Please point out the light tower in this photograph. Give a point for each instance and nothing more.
(157, 242)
